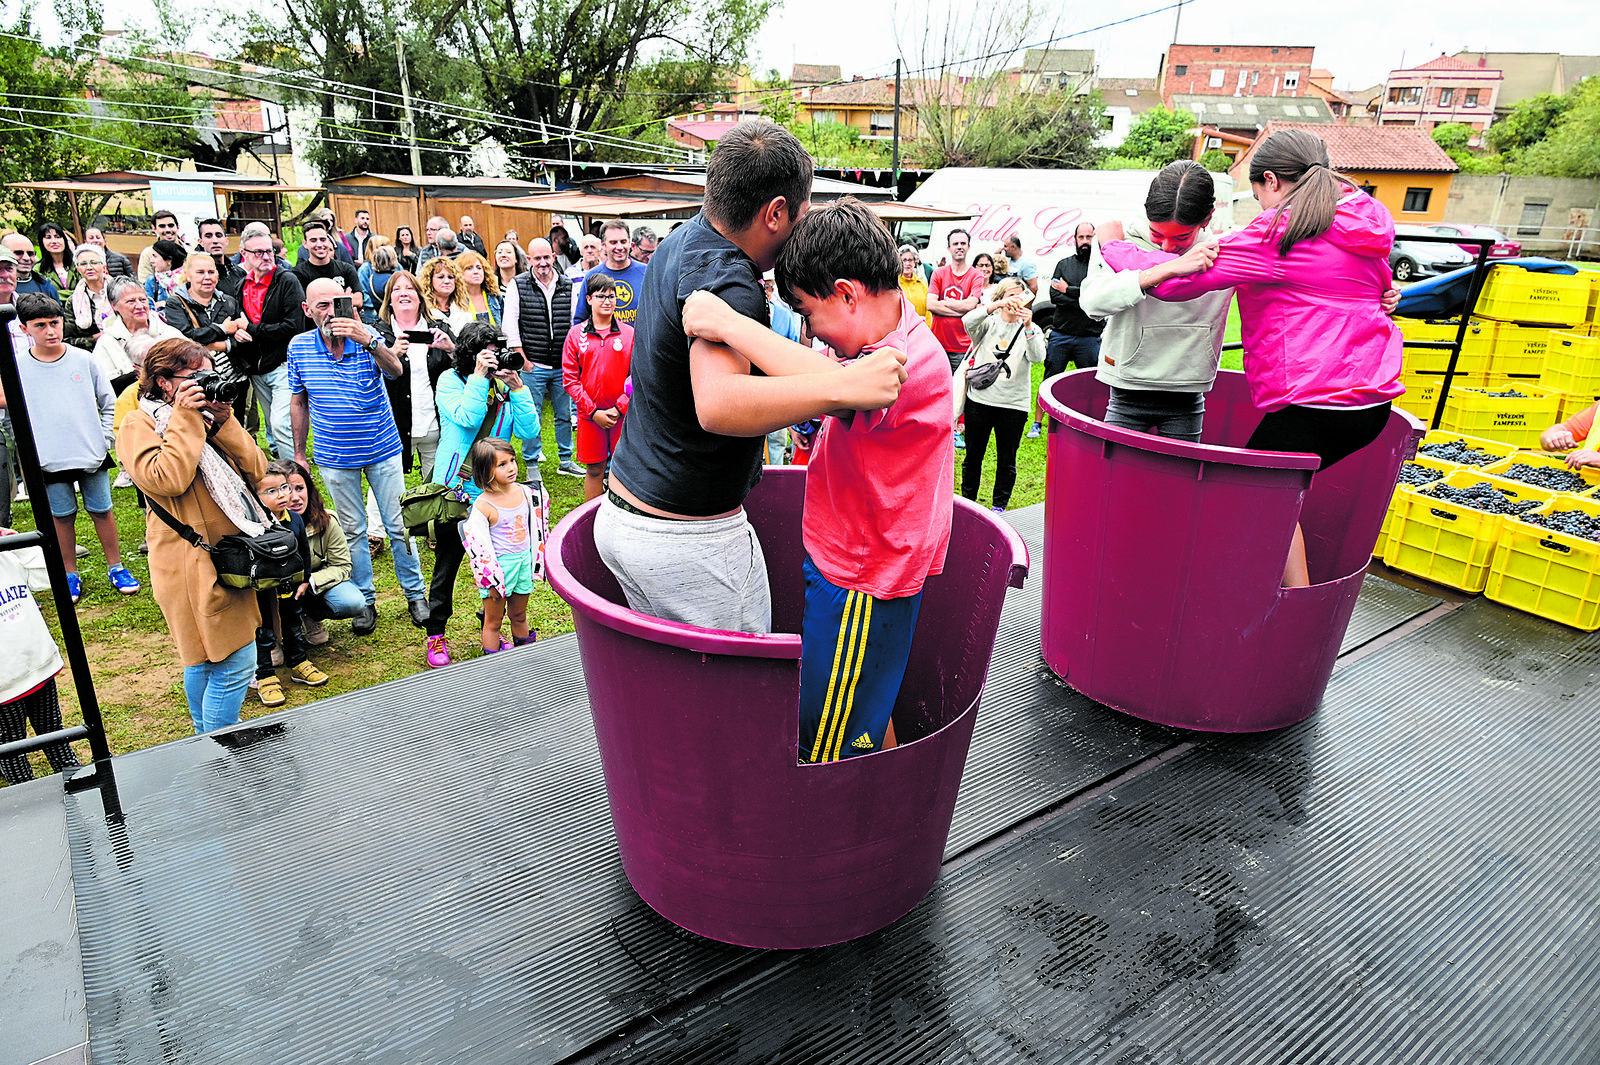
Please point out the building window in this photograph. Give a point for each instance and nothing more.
(882, 120)
(1532, 219)
(1291, 79)
(1255, 79)
(1411, 94)
(1180, 70)
(1471, 99)
(1446, 97)
(1216, 78)
(1369, 188)
(1417, 200)
(1107, 122)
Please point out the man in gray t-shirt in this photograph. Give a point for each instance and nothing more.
(69, 391)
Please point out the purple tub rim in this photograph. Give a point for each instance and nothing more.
(592, 606)
(1235, 456)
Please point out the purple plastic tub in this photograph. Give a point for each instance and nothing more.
(721, 830)
(1163, 560)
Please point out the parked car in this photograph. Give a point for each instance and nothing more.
(1503, 248)
(1411, 259)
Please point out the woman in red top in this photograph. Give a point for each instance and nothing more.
(594, 365)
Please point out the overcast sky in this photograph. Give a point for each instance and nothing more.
(1360, 43)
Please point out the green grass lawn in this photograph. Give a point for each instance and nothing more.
(139, 682)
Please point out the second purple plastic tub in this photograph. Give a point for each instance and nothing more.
(1163, 560)
(720, 829)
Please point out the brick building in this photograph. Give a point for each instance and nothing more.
(1235, 70)
(1446, 89)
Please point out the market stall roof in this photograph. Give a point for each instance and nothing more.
(910, 212)
(79, 186)
(591, 203)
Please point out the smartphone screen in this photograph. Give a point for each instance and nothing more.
(419, 336)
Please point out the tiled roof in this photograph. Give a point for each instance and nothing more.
(1397, 148)
(868, 91)
(1050, 60)
(814, 73)
(1252, 112)
(1445, 62)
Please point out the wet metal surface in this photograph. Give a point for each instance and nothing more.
(425, 872)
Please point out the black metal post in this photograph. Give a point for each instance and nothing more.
(894, 165)
(99, 774)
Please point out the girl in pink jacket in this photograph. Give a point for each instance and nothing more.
(1320, 353)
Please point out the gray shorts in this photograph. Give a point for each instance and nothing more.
(707, 573)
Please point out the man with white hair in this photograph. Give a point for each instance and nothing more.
(431, 231)
(538, 310)
(591, 249)
(467, 236)
(336, 372)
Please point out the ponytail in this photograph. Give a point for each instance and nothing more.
(1300, 161)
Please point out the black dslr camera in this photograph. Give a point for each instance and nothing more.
(218, 387)
(506, 359)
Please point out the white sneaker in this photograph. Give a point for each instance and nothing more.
(123, 480)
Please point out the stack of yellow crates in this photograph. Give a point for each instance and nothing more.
(1529, 357)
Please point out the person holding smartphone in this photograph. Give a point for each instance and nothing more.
(425, 344)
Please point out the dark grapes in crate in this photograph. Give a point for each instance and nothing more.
(1458, 451)
(1572, 522)
(1481, 496)
(1415, 473)
(1551, 477)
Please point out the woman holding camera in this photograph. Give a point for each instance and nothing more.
(423, 341)
(482, 396)
(1010, 338)
(188, 455)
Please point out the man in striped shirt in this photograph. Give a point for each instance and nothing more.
(336, 373)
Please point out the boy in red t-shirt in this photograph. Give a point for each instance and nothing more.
(594, 364)
(880, 487)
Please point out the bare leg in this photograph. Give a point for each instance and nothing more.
(594, 479)
(518, 613)
(1295, 572)
(494, 609)
(888, 736)
(67, 540)
(105, 527)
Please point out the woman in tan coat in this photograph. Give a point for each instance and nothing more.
(163, 447)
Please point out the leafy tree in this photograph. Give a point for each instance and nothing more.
(1159, 137)
(1452, 136)
(777, 101)
(1023, 129)
(833, 144)
(1572, 147)
(1216, 161)
(1528, 123)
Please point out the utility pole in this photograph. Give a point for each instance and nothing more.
(405, 97)
(894, 165)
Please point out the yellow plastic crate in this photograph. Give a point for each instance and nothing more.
(1572, 403)
(1422, 390)
(1445, 542)
(1513, 294)
(1590, 474)
(1443, 467)
(1520, 350)
(1594, 294)
(1515, 420)
(1444, 436)
(1548, 573)
(1476, 346)
(1572, 363)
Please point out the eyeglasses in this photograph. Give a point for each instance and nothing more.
(255, 251)
(280, 490)
(612, 296)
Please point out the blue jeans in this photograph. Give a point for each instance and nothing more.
(343, 600)
(216, 690)
(545, 381)
(272, 389)
(1082, 352)
(388, 481)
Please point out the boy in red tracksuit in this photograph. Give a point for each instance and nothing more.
(594, 364)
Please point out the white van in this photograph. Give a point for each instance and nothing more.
(1043, 207)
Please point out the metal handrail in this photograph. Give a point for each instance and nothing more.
(98, 774)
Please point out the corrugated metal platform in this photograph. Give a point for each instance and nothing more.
(424, 872)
